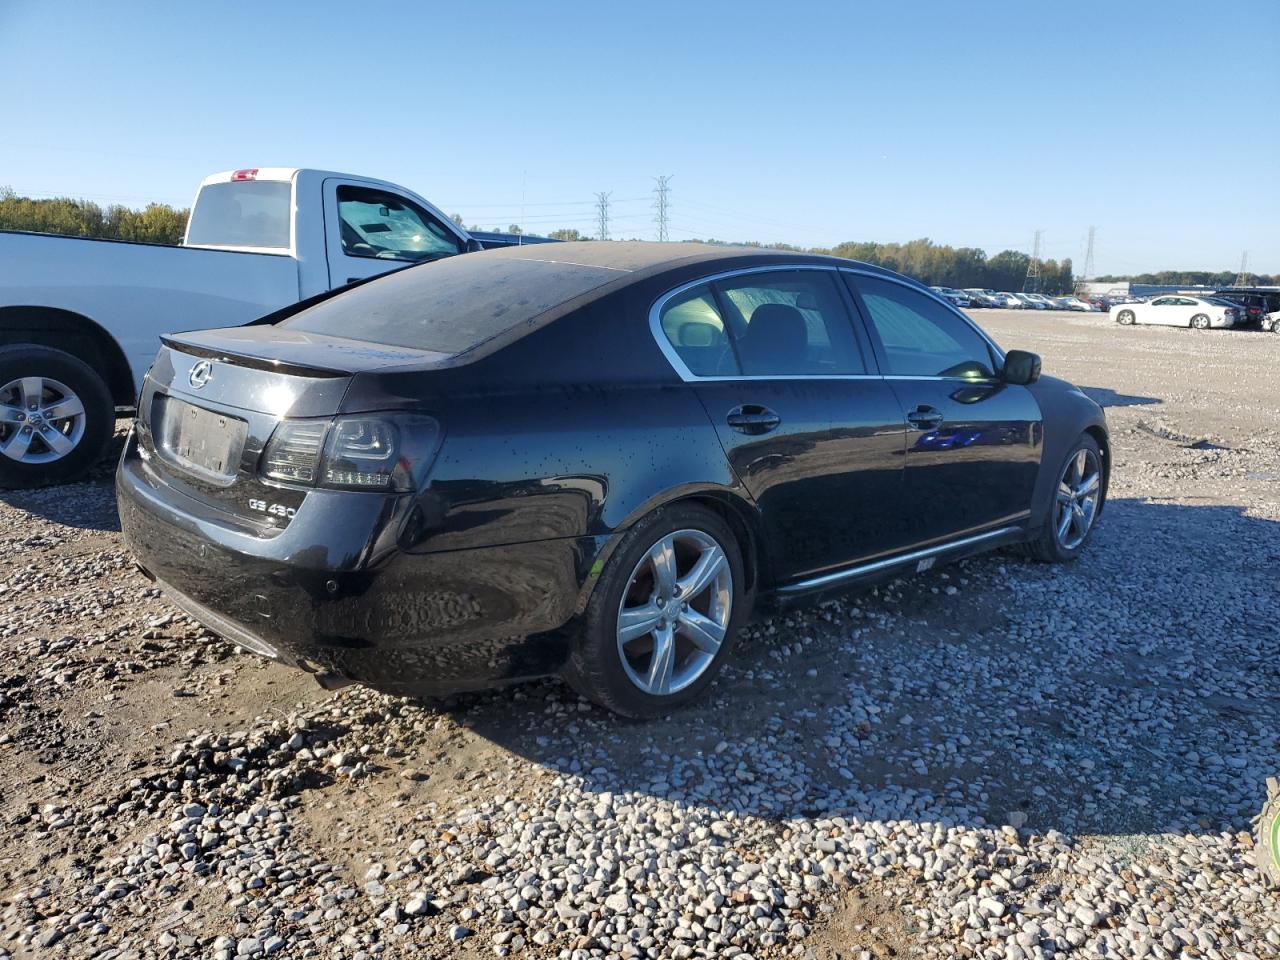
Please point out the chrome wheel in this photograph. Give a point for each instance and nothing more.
(1077, 501)
(674, 613)
(41, 420)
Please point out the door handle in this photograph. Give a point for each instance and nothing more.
(925, 417)
(751, 418)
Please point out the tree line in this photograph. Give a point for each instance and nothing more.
(936, 264)
(1197, 278)
(155, 223)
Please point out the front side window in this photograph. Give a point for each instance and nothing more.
(381, 225)
(921, 337)
(1164, 302)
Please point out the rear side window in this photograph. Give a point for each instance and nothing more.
(786, 323)
(243, 213)
(693, 326)
(790, 323)
(383, 226)
(922, 337)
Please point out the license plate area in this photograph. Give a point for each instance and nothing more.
(204, 442)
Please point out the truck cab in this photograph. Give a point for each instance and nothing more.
(339, 228)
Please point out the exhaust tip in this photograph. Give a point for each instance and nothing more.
(332, 681)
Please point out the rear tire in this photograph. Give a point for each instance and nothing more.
(609, 667)
(1125, 318)
(1200, 322)
(1060, 539)
(56, 417)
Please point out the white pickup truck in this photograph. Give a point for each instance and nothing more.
(80, 320)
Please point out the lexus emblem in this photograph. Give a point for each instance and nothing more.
(200, 374)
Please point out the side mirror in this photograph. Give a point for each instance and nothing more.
(1021, 366)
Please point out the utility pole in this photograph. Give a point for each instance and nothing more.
(602, 215)
(1032, 282)
(662, 205)
(1242, 278)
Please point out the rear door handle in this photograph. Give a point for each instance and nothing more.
(751, 418)
(925, 417)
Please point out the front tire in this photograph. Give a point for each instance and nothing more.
(56, 416)
(1077, 499)
(663, 615)
(1125, 318)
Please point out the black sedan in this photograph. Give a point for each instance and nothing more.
(588, 459)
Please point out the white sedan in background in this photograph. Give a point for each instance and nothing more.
(1178, 310)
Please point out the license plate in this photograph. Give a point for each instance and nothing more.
(204, 440)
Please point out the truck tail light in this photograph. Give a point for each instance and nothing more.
(245, 174)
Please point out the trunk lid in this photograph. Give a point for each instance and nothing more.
(213, 398)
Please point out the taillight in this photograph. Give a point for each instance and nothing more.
(245, 174)
(293, 452)
(387, 452)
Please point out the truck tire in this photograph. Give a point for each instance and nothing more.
(56, 416)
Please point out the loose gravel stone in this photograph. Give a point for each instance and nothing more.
(994, 759)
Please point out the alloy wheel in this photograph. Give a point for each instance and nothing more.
(1077, 500)
(675, 611)
(41, 420)
(1200, 322)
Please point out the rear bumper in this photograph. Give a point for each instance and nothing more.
(334, 592)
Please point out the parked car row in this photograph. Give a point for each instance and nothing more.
(972, 297)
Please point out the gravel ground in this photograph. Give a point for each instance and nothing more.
(995, 759)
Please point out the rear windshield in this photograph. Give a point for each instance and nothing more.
(243, 213)
(451, 306)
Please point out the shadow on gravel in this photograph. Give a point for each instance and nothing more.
(1106, 397)
(1135, 692)
(87, 505)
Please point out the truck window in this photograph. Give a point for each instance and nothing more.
(243, 213)
(381, 225)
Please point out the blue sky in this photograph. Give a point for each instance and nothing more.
(972, 124)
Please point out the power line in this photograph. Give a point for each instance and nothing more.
(662, 205)
(602, 215)
(1031, 284)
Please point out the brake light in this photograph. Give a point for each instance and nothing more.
(245, 174)
(381, 452)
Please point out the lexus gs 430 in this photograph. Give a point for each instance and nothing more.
(593, 460)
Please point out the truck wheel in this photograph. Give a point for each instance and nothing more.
(56, 416)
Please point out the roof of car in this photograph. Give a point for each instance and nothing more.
(631, 256)
(493, 296)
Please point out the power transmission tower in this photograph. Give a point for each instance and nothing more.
(1242, 278)
(602, 215)
(662, 205)
(1032, 282)
(1088, 256)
